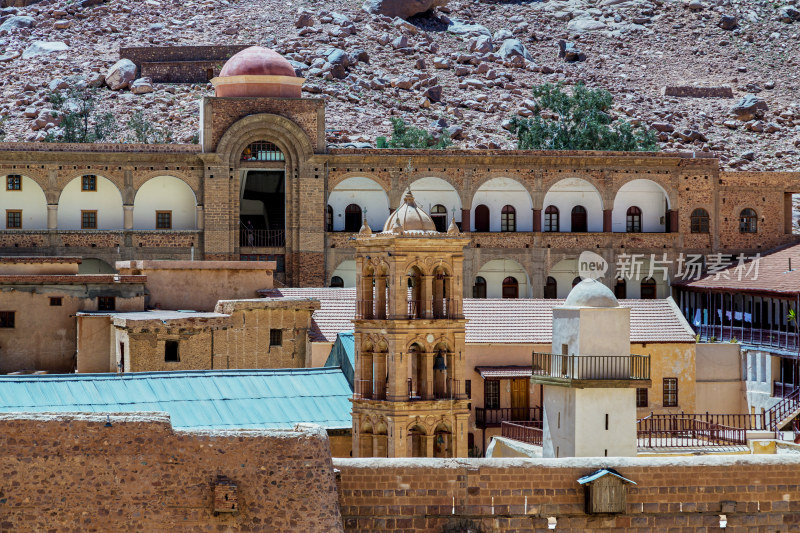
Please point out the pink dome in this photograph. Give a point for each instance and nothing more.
(257, 61)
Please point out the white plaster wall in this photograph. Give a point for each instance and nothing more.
(366, 194)
(634, 275)
(564, 272)
(106, 200)
(570, 192)
(430, 191)
(605, 331)
(30, 199)
(647, 196)
(592, 439)
(558, 422)
(498, 193)
(495, 271)
(164, 193)
(347, 271)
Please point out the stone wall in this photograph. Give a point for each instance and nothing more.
(72, 473)
(684, 494)
(176, 57)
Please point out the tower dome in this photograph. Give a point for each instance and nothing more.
(257, 72)
(409, 218)
(591, 293)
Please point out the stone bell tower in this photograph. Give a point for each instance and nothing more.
(409, 398)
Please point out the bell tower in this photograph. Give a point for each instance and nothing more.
(409, 398)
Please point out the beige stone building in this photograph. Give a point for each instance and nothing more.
(262, 184)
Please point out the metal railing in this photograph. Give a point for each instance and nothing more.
(591, 367)
(368, 309)
(782, 390)
(451, 390)
(778, 414)
(787, 340)
(686, 432)
(366, 389)
(494, 417)
(527, 432)
(262, 238)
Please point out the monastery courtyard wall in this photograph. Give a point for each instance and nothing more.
(687, 494)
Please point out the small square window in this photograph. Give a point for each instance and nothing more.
(6, 319)
(171, 354)
(163, 219)
(13, 182)
(641, 397)
(13, 219)
(275, 337)
(55, 301)
(89, 183)
(106, 303)
(88, 219)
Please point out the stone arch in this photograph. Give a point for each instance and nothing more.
(569, 192)
(430, 190)
(480, 181)
(647, 195)
(663, 182)
(165, 193)
(30, 199)
(497, 192)
(494, 271)
(337, 178)
(192, 181)
(106, 200)
(93, 265)
(365, 192)
(281, 131)
(564, 272)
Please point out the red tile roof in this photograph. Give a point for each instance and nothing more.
(496, 321)
(773, 275)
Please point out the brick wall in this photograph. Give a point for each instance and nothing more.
(72, 474)
(687, 494)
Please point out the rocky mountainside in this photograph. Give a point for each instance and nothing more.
(467, 66)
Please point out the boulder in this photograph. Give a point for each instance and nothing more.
(336, 56)
(400, 42)
(401, 8)
(15, 23)
(502, 35)
(142, 86)
(585, 24)
(463, 29)
(513, 48)
(304, 19)
(434, 93)
(569, 52)
(748, 108)
(95, 79)
(789, 14)
(40, 48)
(728, 22)
(121, 74)
(482, 45)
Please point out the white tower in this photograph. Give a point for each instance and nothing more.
(590, 378)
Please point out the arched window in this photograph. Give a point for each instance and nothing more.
(329, 219)
(479, 289)
(648, 291)
(510, 287)
(508, 218)
(579, 219)
(748, 221)
(439, 216)
(620, 289)
(551, 218)
(633, 220)
(699, 221)
(262, 151)
(336, 281)
(551, 288)
(352, 218)
(576, 281)
(481, 218)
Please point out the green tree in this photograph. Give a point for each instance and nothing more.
(79, 122)
(405, 136)
(577, 121)
(143, 130)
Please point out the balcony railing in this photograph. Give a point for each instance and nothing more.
(369, 309)
(440, 308)
(565, 368)
(782, 390)
(786, 340)
(452, 390)
(366, 389)
(527, 432)
(686, 432)
(262, 238)
(494, 417)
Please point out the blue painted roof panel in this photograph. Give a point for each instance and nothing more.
(205, 399)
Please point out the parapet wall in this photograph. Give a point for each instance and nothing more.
(71, 473)
(687, 494)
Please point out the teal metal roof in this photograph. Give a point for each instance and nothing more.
(194, 399)
(597, 474)
(343, 355)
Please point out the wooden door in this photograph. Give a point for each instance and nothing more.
(481, 218)
(520, 399)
